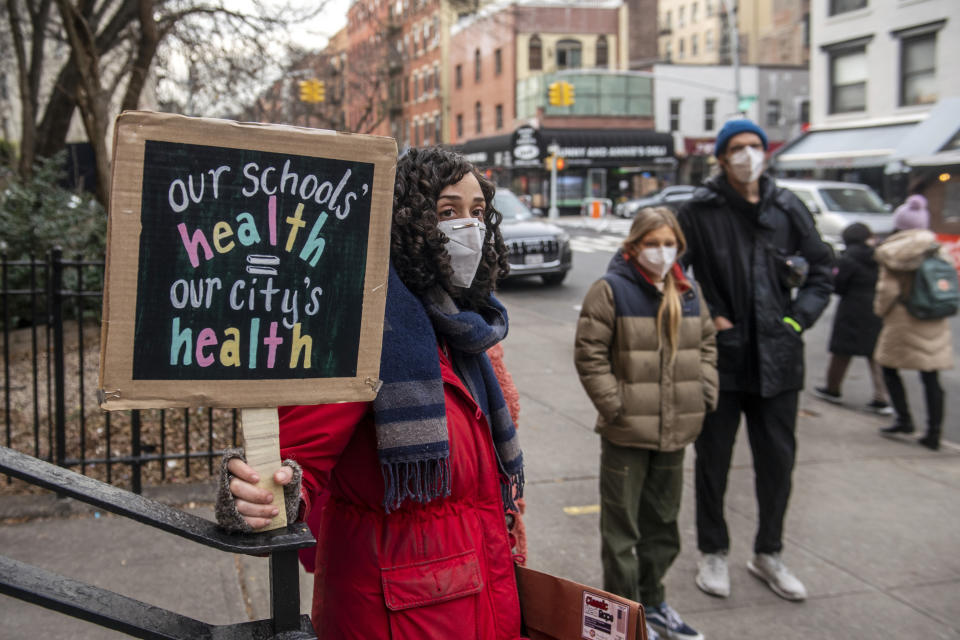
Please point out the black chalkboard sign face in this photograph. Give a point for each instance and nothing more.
(246, 264)
(251, 264)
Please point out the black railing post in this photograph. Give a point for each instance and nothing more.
(135, 466)
(284, 591)
(59, 366)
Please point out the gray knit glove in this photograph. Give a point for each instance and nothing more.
(226, 509)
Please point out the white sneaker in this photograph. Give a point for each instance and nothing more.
(713, 576)
(652, 633)
(770, 568)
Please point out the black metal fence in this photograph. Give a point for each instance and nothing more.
(51, 313)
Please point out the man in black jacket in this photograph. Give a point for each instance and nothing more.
(766, 276)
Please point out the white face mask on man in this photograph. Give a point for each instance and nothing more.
(747, 165)
(465, 247)
(657, 260)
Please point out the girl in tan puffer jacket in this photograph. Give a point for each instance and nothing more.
(646, 354)
(907, 342)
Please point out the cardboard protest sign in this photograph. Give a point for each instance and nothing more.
(246, 264)
(558, 609)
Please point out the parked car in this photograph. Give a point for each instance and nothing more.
(836, 205)
(670, 196)
(537, 248)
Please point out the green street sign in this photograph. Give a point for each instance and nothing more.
(745, 102)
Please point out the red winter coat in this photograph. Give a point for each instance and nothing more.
(436, 571)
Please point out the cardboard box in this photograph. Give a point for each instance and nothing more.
(246, 264)
(558, 609)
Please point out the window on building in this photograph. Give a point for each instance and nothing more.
(479, 115)
(680, 49)
(668, 50)
(773, 113)
(406, 89)
(708, 8)
(709, 114)
(681, 20)
(416, 134)
(535, 54)
(842, 6)
(413, 93)
(918, 70)
(427, 132)
(499, 116)
(602, 51)
(804, 112)
(497, 61)
(694, 47)
(848, 80)
(437, 128)
(675, 114)
(459, 125)
(569, 54)
(476, 65)
(708, 42)
(458, 76)
(667, 19)
(427, 83)
(693, 13)
(436, 78)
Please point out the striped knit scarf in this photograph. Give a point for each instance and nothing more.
(410, 411)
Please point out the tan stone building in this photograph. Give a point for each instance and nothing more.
(770, 31)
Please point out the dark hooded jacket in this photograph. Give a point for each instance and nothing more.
(737, 251)
(855, 327)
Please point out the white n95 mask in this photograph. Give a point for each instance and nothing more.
(747, 165)
(657, 260)
(464, 246)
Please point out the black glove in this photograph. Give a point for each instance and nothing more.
(226, 509)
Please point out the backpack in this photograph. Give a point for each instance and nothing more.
(935, 292)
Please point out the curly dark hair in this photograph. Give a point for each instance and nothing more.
(417, 246)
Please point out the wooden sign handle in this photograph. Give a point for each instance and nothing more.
(261, 443)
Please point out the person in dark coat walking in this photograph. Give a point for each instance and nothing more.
(751, 245)
(855, 327)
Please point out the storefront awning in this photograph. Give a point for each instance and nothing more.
(528, 147)
(934, 141)
(610, 147)
(843, 148)
(484, 152)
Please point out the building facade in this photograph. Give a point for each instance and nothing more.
(501, 118)
(769, 31)
(883, 98)
(694, 101)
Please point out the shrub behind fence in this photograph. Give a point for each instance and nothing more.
(51, 314)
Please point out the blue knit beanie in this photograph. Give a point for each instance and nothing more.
(732, 128)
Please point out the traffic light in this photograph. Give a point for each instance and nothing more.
(312, 91)
(561, 163)
(552, 160)
(561, 94)
(555, 94)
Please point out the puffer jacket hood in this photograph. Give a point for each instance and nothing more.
(906, 250)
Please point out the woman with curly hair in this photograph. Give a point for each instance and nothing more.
(413, 541)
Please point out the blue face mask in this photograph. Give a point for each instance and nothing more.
(464, 246)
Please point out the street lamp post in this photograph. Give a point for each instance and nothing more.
(554, 150)
(734, 34)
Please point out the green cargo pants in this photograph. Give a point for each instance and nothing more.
(640, 491)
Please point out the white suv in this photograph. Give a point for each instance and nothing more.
(836, 205)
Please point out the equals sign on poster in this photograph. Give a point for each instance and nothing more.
(262, 265)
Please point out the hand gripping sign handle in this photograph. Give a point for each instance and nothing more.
(261, 443)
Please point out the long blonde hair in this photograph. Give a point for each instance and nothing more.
(670, 312)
